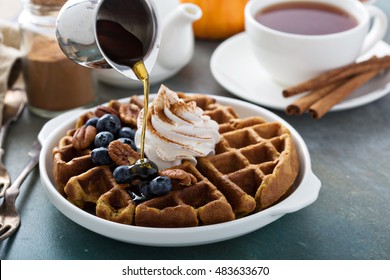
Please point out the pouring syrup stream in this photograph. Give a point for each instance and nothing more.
(143, 75)
(124, 48)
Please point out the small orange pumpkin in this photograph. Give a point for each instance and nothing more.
(221, 18)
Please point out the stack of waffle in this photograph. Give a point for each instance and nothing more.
(254, 166)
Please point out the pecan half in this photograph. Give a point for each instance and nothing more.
(84, 118)
(136, 100)
(179, 176)
(121, 153)
(128, 114)
(102, 110)
(114, 104)
(83, 137)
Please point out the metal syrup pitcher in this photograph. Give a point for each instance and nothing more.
(82, 25)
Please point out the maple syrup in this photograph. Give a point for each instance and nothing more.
(124, 48)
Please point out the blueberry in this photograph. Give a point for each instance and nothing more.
(160, 185)
(100, 156)
(92, 121)
(144, 170)
(126, 132)
(108, 122)
(144, 189)
(129, 142)
(103, 138)
(122, 174)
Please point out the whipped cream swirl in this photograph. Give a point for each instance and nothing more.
(176, 130)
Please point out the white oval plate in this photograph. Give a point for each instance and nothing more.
(308, 186)
(235, 67)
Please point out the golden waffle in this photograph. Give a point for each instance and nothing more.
(87, 187)
(198, 204)
(201, 100)
(116, 205)
(219, 113)
(254, 166)
(69, 162)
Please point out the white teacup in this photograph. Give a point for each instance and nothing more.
(293, 58)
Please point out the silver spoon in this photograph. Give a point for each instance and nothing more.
(14, 103)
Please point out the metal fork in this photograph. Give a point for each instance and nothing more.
(14, 103)
(9, 215)
(5, 178)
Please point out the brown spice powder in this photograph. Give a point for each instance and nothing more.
(53, 81)
(49, 2)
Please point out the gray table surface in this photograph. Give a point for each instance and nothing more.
(350, 153)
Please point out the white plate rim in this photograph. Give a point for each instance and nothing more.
(231, 84)
(305, 194)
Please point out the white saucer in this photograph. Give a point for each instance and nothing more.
(235, 67)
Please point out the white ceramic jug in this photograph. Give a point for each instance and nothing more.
(176, 47)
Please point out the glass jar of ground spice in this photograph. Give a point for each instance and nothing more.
(53, 82)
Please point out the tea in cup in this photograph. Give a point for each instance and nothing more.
(297, 40)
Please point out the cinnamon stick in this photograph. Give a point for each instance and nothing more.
(349, 70)
(302, 104)
(323, 105)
